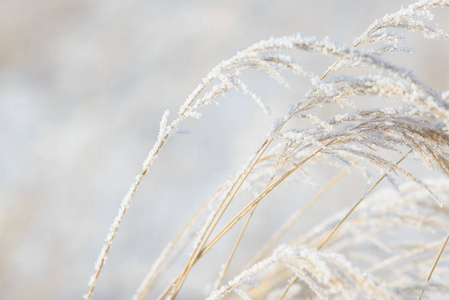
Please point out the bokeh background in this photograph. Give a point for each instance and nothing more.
(83, 85)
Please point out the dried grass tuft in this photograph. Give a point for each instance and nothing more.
(389, 245)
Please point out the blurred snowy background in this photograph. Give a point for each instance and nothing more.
(83, 85)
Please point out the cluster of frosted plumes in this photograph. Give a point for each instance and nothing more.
(369, 257)
(362, 260)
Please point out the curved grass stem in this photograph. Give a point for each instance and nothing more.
(437, 259)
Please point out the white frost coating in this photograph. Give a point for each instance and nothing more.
(377, 32)
(309, 178)
(445, 95)
(193, 114)
(242, 294)
(163, 125)
(245, 275)
(272, 71)
(162, 136)
(327, 274)
(98, 262)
